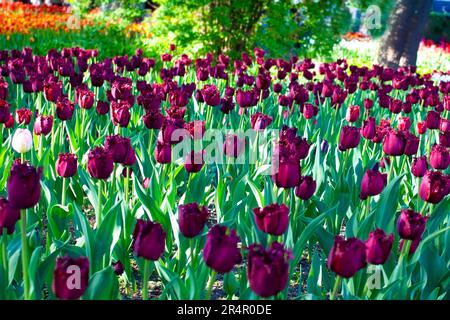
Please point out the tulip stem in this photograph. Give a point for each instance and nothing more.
(145, 280)
(193, 260)
(63, 191)
(26, 279)
(5, 251)
(22, 157)
(127, 178)
(40, 147)
(337, 284)
(405, 249)
(99, 203)
(211, 281)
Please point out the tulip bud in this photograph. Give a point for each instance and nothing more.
(352, 114)
(404, 123)
(118, 268)
(439, 157)
(268, 270)
(8, 216)
(118, 147)
(23, 116)
(66, 165)
(193, 161)
(211, 95)
(272, 219)
(260, 121)
(306, 188)
(70, 277)
(368, 128)
(221, 252)
(288, 174)
(100, 163)
(432, 120)
(349, 138)
(433, 187)
(192, 219)
(43, 125)
(233, 146)
(148, 240)
(378, 247)
(163, 152)
(347, 256)
(4, 111)
(22, 141)
(394, 143)
(419, 166)
(411, 225)
(372, 183)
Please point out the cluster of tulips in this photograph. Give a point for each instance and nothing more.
(103, 140)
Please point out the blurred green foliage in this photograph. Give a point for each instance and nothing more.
(281, 27)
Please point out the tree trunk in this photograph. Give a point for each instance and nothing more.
(401, 41)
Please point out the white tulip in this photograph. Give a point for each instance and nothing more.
(22, 140)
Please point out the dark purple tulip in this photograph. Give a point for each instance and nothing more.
(118, 267)
(347, 256)
(100, 163)
(368, 128)
(70, 277)
(120, 114)
(288, 174)
(433, 187)
(102, 107)
(193, 161)
(221, 252)
(64, 109)
(52, 91)
(211, 95)
(24, 186)
(43, 124)
(432, 120)
(233, 146)
(153, 119)
(444, 126)
(439, 157)
(411, 225)
(66, 165)
(244, 98)
(23, 116)
(192, 219)
(349, 138)
(404, 123)
(84, 97)
(372, 183)
(163, 152)
(272, 219)
(444, 139)
(118, 147)
(3, 89)
(368, 103)
(148, 240)
(378, 247)
(419, 166)
(412, 143)
(268, 270)
(4, 111)
(306, 188)
(260, 121)
(8, 216)
(352, 114)
(394, 143)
